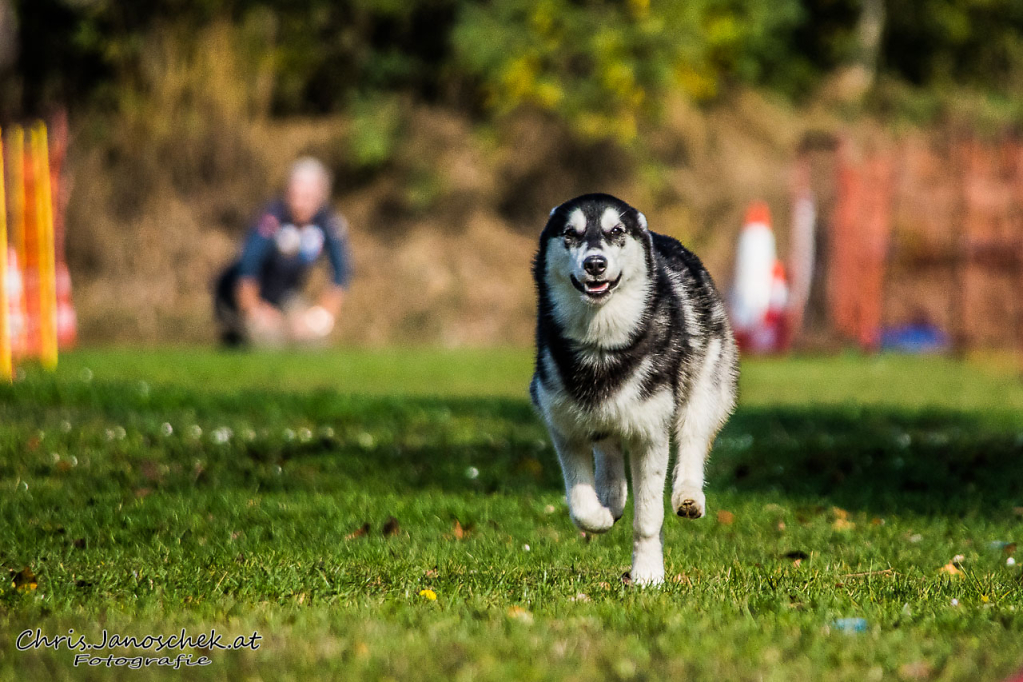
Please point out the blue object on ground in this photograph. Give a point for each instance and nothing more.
(851, 625)
(916, 337)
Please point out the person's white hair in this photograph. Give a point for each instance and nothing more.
(311, 169)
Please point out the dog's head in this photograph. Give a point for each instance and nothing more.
(593, 247)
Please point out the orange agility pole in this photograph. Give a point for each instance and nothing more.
(16, 195)
(6, 369)
(44, 241)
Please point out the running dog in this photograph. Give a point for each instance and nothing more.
(632, 346)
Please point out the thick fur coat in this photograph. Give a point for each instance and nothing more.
(633, 351)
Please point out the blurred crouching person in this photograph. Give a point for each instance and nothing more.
(258, 299)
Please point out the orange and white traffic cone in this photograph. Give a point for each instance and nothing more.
(754, 269)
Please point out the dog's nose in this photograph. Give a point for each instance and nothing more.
(595, 265)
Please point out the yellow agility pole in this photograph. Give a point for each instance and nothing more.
(16, 195)
(6, 368)
(45, 246)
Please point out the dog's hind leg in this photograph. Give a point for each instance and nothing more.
(584, 506)
(612, 487)
(649, 464)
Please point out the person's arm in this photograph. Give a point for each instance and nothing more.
(336, 236)
(331, 300)
(254, 254)
(247, 294)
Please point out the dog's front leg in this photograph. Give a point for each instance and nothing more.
(649, 464)
(577, 466)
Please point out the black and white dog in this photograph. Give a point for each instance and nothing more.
(632, 346)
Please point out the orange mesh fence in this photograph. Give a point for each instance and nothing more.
(928, 229)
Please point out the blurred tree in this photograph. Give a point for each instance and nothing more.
(604, 65)
(601, 64)
(941, 42)
(8, 35)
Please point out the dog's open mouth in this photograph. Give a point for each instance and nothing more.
(596, 288)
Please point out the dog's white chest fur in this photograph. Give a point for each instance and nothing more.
(627, 413)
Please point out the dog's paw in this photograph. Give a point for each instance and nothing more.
(649, 580)
(646, 576)
(689, 503)
(593, 518)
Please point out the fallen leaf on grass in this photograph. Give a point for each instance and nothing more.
(360, 532)
(682, 578)
(531, 466)
(843, 524)
(25, 580)
(151, 471)
(391, 526)
(726, 518)
(431, 573)
(520, 614)
(864, 574)
(917, 670)
(839, 513)
(626, 578)
(950, 568)
(460, 531)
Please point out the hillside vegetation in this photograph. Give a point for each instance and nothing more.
(457, 125)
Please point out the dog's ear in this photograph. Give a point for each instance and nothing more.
(550, 219)
(641, 219)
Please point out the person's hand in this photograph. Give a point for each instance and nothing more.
(312, 324)
(265, 317)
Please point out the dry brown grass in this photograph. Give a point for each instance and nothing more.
(442, 235)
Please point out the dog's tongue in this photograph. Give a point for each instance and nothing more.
(597, 288)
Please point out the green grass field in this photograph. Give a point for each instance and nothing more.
(312, 499)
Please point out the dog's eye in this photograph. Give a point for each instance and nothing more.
(570, 233)
(617, 231)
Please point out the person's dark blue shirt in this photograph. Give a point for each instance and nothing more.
(279, 254)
